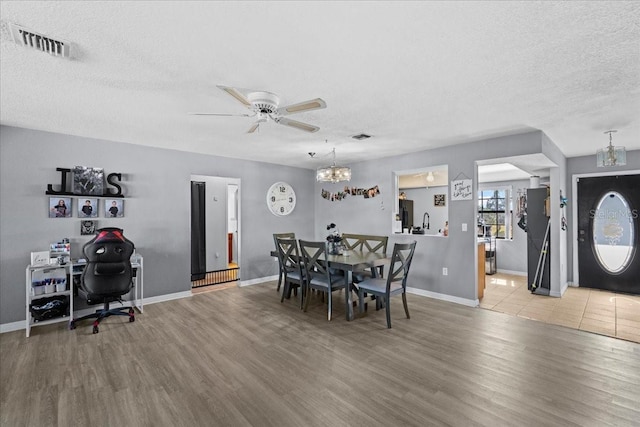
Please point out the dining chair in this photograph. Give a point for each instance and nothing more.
(318, 274)
(293, 276)
(394, 284)
(366, 243)
(276, 236)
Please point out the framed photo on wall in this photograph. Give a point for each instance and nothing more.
(87, 208)
(60, 207)
(114, 208)
(88, 181)
(439, 200)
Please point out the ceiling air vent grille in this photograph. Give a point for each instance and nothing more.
(38, 41)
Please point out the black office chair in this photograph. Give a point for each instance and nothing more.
(108, 274)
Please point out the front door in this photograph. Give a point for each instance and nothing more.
(609, 233)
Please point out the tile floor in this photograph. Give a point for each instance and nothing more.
(593, 310)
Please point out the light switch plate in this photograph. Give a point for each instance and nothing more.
(464, 226)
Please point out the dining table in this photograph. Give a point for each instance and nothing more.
(348, 262)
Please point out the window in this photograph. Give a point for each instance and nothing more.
(495, 213)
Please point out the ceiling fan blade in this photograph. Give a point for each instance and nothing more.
(298, 125)
(236, 94)
(254, 127)
(313, 104)
(216, 114)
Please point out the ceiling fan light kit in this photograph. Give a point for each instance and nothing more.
(266, 106)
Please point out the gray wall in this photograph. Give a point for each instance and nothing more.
(587, 165)
(156, 183)
(374, 216)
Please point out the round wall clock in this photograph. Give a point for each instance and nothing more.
(281, 199)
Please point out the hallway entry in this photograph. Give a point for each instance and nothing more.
(215, 228)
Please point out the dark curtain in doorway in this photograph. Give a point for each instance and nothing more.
(198, 243)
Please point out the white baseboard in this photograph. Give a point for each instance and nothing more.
(513, 272)
(13, 326)
(167, 297)
(257, 281)
(443, 297)
(20, 324)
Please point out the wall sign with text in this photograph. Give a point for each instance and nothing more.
(461, 189)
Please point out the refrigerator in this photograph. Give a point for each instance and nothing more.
(406, 213)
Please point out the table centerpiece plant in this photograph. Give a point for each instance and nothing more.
(334, 240)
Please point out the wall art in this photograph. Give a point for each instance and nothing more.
(88, 181)
(60, 207)
(461, 189)
(87, 208)
(88, 227)
(114, 208)
(367, 193)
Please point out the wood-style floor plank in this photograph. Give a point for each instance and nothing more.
(239, 357)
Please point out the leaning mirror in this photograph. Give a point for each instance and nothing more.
(422, 206)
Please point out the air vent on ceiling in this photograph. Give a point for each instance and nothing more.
(38, 41)
(361, 136)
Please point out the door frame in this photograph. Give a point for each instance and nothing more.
(238, 182)
(574, 213)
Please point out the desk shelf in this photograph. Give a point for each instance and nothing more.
(44, 272)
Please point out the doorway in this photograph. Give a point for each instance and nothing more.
(215, 231)
(608, 232)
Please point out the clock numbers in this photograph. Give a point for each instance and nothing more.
(281, 199)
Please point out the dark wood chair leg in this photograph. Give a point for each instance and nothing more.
(406, 307)
(286, 291)
(388, 309)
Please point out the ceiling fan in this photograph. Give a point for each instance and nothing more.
(265, 106)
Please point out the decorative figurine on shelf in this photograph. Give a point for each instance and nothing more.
(334, 240)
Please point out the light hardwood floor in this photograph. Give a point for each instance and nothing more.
(594, 310)
(239, 357)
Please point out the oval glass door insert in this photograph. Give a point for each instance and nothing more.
(613, 232)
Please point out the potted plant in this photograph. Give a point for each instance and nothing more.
(334, 240)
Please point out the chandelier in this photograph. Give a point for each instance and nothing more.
(333, 173)
(611, 156)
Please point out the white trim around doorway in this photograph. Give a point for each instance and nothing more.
(574, 212)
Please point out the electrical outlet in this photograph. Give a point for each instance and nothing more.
(445, 271)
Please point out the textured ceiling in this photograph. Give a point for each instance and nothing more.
(415, 75)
